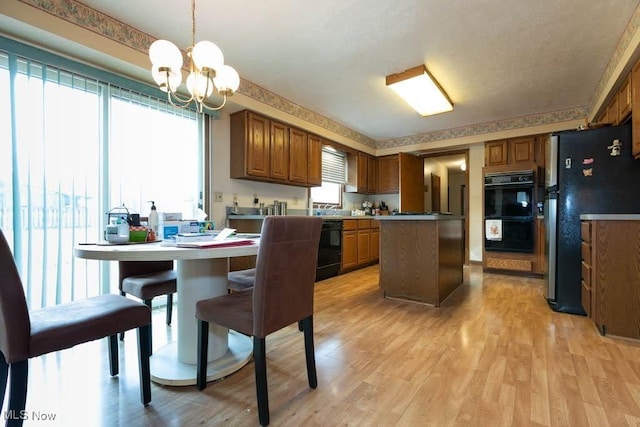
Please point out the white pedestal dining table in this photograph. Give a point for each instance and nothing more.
(201, 274)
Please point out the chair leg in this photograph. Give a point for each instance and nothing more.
(4, 376)
(143, 363)
(309, 351)
(169, 308)
(114, 367)
(147, 302)
(201, 364)
(260, 361)
(19, 373)
(122, 333)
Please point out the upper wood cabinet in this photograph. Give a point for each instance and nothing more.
(388, 174)
(361, 175)
(279, 151)
(495, 153)
(624, 100)
(267, 150)
(250, 140)
(314, 160)
(513, 151)
(298, 155)
(612, 111)
(635, 118)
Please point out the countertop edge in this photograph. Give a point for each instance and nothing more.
(418, 217)
(610, 217)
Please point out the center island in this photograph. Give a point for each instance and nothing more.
(421, 256)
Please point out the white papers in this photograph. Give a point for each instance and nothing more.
(493, 229)
(226, 232)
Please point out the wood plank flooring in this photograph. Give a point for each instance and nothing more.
(493, 354)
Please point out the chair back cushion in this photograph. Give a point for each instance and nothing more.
(136, 268)
(285, 272)
(15, 327)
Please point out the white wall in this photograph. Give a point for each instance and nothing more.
(476, 233)
(456, 180)
(432, 166)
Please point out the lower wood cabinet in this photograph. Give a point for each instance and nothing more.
(360, 243)
(611, 276)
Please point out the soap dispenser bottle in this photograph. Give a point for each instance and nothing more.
(153, 218)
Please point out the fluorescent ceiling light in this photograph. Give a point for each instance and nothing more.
(420, 90)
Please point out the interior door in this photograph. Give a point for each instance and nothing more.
(411, 183)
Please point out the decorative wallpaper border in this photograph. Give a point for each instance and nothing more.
(489, 127)
(625, 40)
(90, 19)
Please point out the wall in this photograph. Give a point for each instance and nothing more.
(476, 232)
(456, 180)
(432, 166)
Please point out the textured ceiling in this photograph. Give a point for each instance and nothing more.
(497, 59)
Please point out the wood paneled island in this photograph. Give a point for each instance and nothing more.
(421, 256)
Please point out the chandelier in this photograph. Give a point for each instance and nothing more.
(206, 71)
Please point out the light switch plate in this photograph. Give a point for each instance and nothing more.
(217, 196)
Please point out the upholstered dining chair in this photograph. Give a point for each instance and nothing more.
(25, 334)
(282, 295)
(241, 280)
(146, 280)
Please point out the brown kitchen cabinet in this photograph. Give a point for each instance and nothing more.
(298, 155)
(314, 160)
(624, 100)
(349, 244)
(361, 176)
(360, 243)
(495, 153)
(515, 151)
(635, 117)
(374, 252)
(279, 151)
(610, 275)
(267, 150)
(612, 111)
(388, 174)
(250, 144)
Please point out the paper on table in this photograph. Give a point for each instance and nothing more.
(226, 232)
(217, 243)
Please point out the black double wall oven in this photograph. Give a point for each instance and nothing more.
(509, 211)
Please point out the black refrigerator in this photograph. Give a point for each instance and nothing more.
(586, 172)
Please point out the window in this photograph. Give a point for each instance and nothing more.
(333, 178)
(72, 148)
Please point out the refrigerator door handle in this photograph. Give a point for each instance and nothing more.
(550, 218)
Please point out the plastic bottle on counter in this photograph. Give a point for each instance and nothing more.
(153, 218)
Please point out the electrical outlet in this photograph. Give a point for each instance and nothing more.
(295, 201)
(217, 196)
(255, 199)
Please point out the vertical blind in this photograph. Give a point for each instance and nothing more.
(72, 147)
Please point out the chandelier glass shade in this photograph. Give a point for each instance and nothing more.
(207, 71)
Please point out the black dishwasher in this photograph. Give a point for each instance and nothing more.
(330, 249)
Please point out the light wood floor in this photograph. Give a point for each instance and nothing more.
(494, 354)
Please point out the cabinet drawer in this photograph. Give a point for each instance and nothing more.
(586, 273)
(586, 299)
(585, 249)
(350, 224)
(364, 224)
(585, 231)
(375, 223)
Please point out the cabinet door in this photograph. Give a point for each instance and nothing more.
(257, 154)
(349, 249)
(298, 156)
(522, 150)
(612, 111)
(372, 166)
(624, 100)
(635, 118)
(375, 244)
(388, 174)
(279, 151)
(364, 246)
(362, 173)
(314, 172)
(495, 153)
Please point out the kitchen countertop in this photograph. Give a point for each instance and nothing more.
(417, 217)
(326, 217)
(610, 217)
